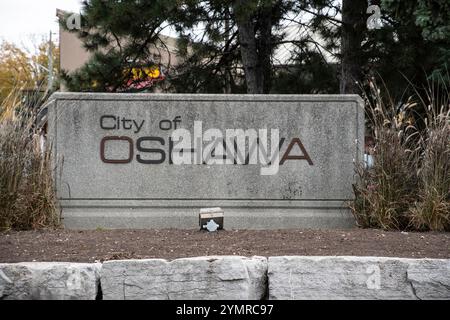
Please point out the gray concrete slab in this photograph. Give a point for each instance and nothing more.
(118, 166)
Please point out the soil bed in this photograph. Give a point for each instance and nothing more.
(89, 246)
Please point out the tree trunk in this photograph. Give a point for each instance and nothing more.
(249, 55)
(354, 19)
(252, 58)
(227, 71)
(265, 48)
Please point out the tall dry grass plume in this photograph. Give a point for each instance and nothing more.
(408, 187)
(431, 210)
(27, 198)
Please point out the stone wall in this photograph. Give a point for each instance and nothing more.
(49, 281)
(271, 161)
(230, 277)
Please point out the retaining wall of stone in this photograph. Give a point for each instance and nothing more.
(230, 277)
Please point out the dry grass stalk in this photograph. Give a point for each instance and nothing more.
(409, 185)
(27, 198)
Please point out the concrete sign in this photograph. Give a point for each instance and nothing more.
(152, 160)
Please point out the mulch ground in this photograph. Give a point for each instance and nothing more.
(101, 245)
